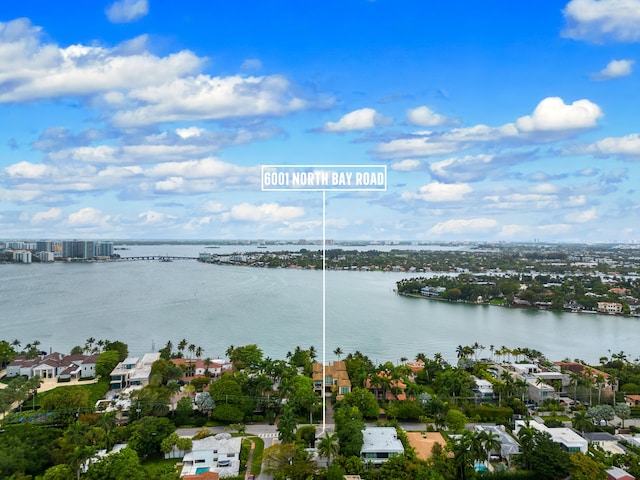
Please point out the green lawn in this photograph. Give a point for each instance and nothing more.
(156, 466)
(256, 464)
(96, 391)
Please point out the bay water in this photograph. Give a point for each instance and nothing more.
(147, 303)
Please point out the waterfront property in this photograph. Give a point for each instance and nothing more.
(336, 378)
(54, 366)
(133, 371)
(196, 367)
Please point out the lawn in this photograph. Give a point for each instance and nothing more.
(256, 464)
(96, 391)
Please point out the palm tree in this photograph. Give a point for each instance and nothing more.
(229, 351)
(582, 421)
(182, 345)
(328, 447)
(312, 353)
(338, 352)
(490, 442)
(192, 349)
(199, 351)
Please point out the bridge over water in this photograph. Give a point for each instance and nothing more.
(158, 258)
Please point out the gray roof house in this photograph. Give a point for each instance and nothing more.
(380, 444)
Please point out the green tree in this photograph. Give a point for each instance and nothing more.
(328, 446)
(184, 410)
(349, 429)
(455, 420)
(287, 426)
(584, 467)
(623, 411)
(123, 465)
(106, 362)
(146, 435)
(248, 356)
(227, 413)
(364, 400)
(549, 461)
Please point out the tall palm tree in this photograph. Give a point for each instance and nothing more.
(338, 352)
(182, 345)
(328, 447)
(192, 349)
(490, 442)
(199, 351)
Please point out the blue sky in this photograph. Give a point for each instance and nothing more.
(499, 121)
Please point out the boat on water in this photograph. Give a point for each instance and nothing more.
(165, 259)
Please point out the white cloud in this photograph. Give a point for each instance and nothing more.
(43, 217)
(124, 11)
(362, 119)
(152, 217)
(407, 165)
(204, 97)
(463, 169)
(29, 170)
(170, 185)
(552, 114)
(602, 20)
(614, 69)
(464, 226)
(581, 217)
(31, 70)
(627, 146)
(416, 147)
(214, 207)
(425, 117)
(204, 168)
(190, 132)
(439, 192)
(267, 212)
(87, 217)
(251, 64)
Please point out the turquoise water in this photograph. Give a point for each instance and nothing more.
(200, 470)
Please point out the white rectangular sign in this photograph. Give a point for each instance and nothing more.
(324, 177)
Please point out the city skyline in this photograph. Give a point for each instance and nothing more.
(140, 119)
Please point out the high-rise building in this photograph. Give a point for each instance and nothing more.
(78, 249)
(104, 249)
(44, 246)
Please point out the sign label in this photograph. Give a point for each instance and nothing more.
(324, 177)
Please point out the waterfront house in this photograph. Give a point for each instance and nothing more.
(133, 371)
(335, 378)
(609, 307)
(54, 365)
(196, 367)
(380, 444)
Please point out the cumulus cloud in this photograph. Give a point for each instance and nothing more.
(626, 147)
(47, 216)
(552, 114)
(469, 168)
(614, 69)
(266, 212)
(32, 70)
(152, 217)
(464, 226)
(406, 165)
(439, 192)
(425, 117)
(603, 20)
(581, 217)
(362, 119)
(87, 217)
(552, 119)
(125, 11)
(210, 98)
(130, 85)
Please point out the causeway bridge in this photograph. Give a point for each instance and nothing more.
(157, 258)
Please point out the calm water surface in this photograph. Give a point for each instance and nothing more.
(146, 303)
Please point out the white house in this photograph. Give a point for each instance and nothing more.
(569, 440)
(220, 454)
(380, 444)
